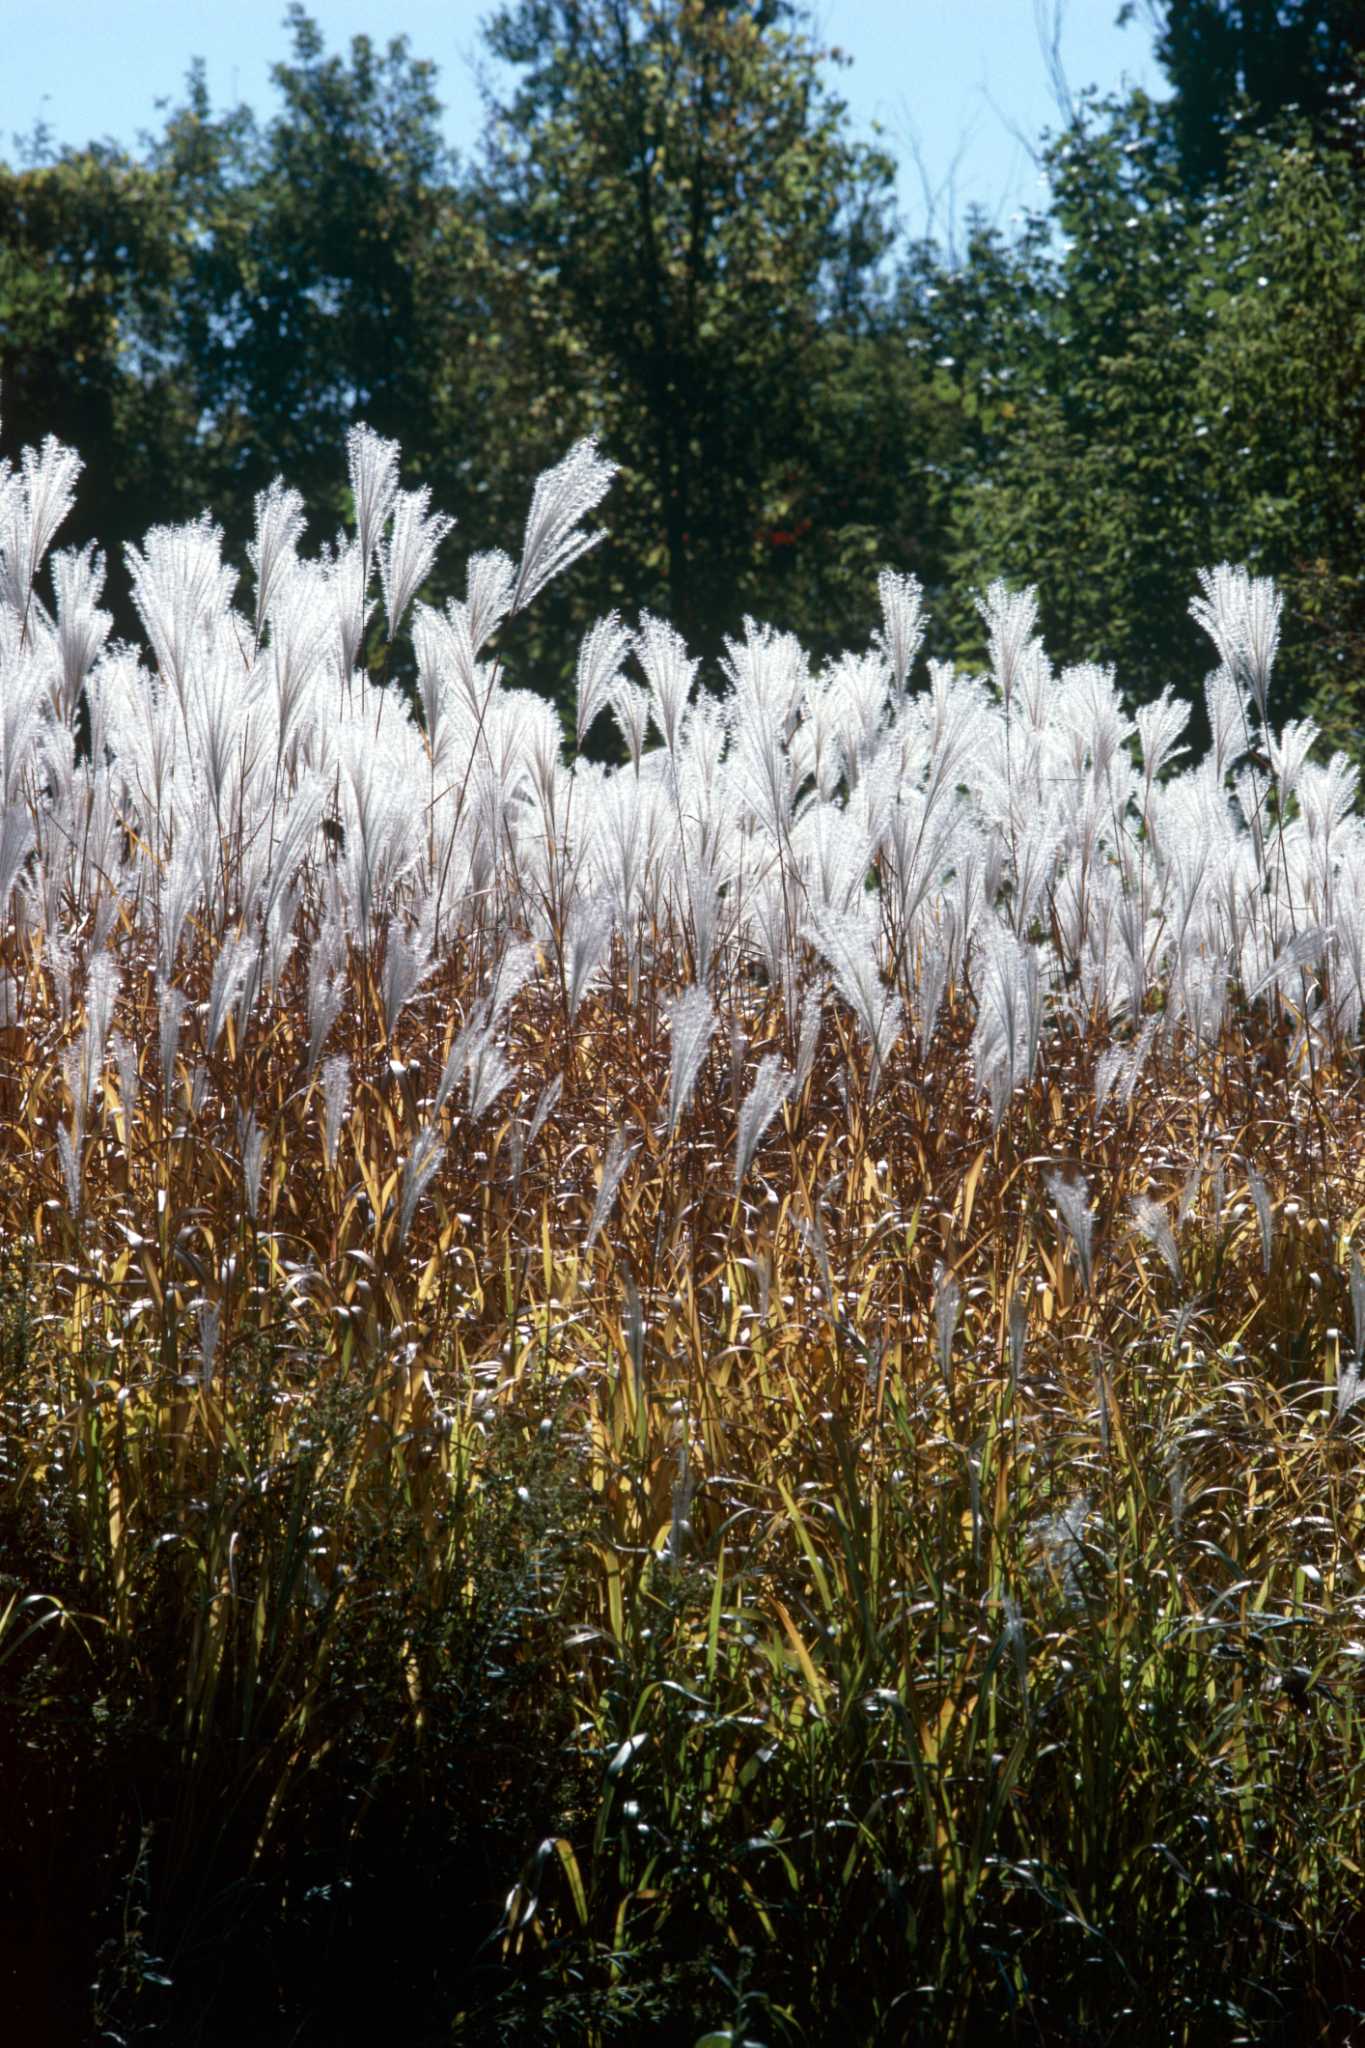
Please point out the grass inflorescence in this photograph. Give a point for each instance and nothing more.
(721, 1407)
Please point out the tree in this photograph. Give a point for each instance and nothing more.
(1237, 65)
(92, 249)
(220, 311)
(1190, 387)
(328, 278)
(692, 244)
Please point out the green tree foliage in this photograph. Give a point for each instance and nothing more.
(328, 278)
(1234, 65)
(1155, 381)
(694, 242)
(92, 251)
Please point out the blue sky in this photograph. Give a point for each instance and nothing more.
(960, 87)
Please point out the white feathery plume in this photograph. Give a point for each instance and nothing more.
(280, 937)
(1010, 618)
(422, 1163)
(630, 708)
(221, 729)
(618, 1157)
(902, 602)
(563, 497)
(57, 960)
(125, 1061)
(406, 557)
(514, 967)
(702, 915)
(856, 694)
(931, 988)
(490, 580)
(849, 945)
(376, 787)
(280, 526)
(1304, 950)
(691, 1020)
(429, 636)
(449, 674)
(1093, 711)
(1201, 991)
(372, 464)
(326, 987)
(182, 591)
(489, 1074)
(1160, 728)
(958, 719)
(1226, 706)
(662, 654)
(919, 837)
(348, 579)
(587, 943)
(1241, 615)
(42, 492)
(82, 628)
(170, 1018)
(301, 609)
(1350, 1378)
(1289, 751)
(834, 849)
(336, 1095)
(1260, 1202)
(1350, 1387)
(249, 988)
(236, 957)
(1072, 1198)
(251, 1147)
(1327, 796)
(407, 964)
(812, 1016)
(1108, 1067)
(101, 994)
(772, 1084)
(16, 844)
(462, 1052)
(1036, 846)
(769, 675)
(603, 649)
(1009, 1014)
(305, 806)
(208, 1316)
(1137, 1060)
(1036, 686)
(1151, 1219)
(542, 741)
(69, 1151)
(947, 1307)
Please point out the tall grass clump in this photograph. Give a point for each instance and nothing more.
(710, 1399)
